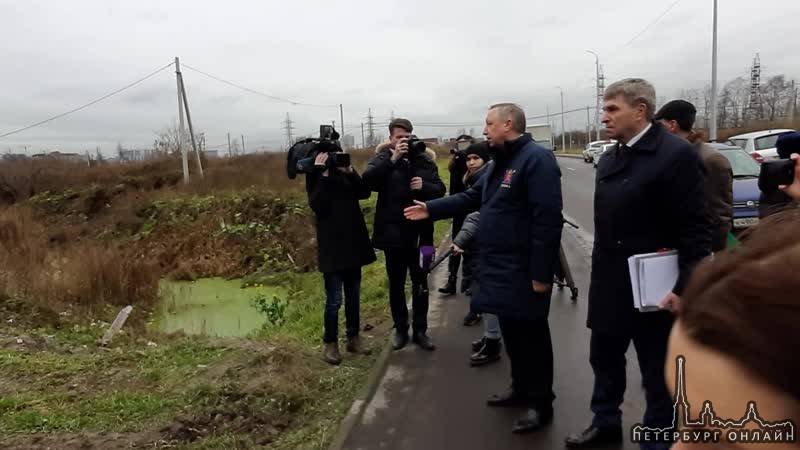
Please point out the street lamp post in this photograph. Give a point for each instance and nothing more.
(563, 128)
(597, 94)
(713, 130)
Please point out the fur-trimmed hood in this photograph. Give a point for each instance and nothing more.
(431, 154)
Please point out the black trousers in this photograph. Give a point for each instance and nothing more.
(530, 351)
(607, 356)
(400, 262)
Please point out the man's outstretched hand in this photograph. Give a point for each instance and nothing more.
(417, 212)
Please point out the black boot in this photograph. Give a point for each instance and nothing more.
(450, 287)
(423, 341)
(594, 437)
(400, 338)
(489, 353)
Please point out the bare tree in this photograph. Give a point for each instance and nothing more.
(775, 95)
(166, 142)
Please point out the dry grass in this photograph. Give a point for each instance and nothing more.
(46, 275)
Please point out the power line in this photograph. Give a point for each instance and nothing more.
(253, 91)
(88, 104)
(653, 22)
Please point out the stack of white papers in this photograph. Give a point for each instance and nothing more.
(653, 275)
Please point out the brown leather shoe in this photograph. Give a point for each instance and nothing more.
(331, 354)
(354, 345)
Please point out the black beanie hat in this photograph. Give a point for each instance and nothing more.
(479, 148)
(680, 111)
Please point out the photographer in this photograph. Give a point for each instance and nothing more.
(343, 248)
(458, 169)
(401, 173)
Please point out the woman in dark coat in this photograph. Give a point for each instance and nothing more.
(343, 247)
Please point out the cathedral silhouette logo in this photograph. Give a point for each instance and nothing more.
(709, 428)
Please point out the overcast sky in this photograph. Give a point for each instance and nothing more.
(429, 60)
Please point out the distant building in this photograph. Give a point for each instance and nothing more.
(59, 156)
(14, 157)
(211, 153)
(348, 142)
(135, 155)
(430, 140)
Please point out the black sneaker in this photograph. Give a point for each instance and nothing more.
(489, 353)
(471, 319)
(477, 345)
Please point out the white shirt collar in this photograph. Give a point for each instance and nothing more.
(638, 137)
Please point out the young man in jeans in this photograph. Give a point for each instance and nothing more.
(400, 175)
(343, 248)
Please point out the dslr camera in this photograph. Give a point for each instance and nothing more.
(301, 157)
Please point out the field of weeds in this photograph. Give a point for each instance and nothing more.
(78, 243)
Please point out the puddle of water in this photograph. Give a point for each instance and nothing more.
(210, 307)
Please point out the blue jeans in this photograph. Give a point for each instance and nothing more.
(334, 282)
(491, 325)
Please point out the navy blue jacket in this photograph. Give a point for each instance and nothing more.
(519, 233)
(647, 198)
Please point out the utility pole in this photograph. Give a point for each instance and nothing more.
(363, 144)
(599, 94)
(289, 128)
(371, 128)
(588, 126)
(181, 148)
(230, 152)
(189, 120)
(341, 119)
(244, 151)
(563, 128)
(794, 104)
(713, 132)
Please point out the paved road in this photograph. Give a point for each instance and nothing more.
(436, 401)
(577, 184)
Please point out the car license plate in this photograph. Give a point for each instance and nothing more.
(745, 222)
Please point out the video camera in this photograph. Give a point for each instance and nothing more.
(415, 145)
(301, 157)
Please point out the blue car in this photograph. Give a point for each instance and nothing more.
(745, 186)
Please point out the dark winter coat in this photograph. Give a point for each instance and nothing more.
(465, 238)
(342, 236)
(719, 193)
(519, 233)
(647, 198)
(457, 168)
(392, 183)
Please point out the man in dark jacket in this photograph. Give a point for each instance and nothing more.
(678, 118)
(400, 177)
(773, 201)
(458, 168)
(649, 195)
(518, 242)
(343, 248)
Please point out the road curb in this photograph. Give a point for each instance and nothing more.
(367, 392)
(568, 156)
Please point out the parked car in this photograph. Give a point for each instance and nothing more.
(760, 144)
(592, 148)
(599, 153)
(745, 185)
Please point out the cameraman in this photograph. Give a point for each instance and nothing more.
(401, 174)
(343, 247)
(457, 168)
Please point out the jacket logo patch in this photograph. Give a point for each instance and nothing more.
(507, 178)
